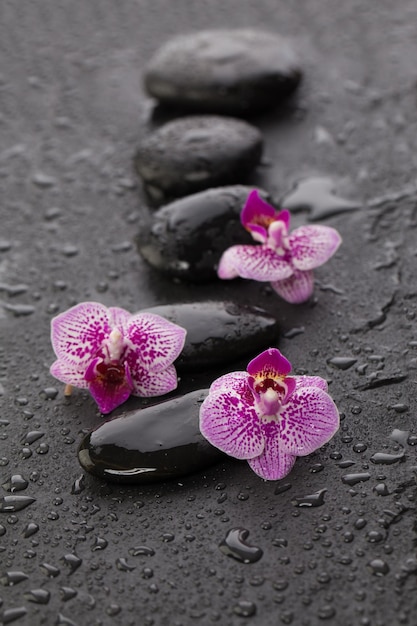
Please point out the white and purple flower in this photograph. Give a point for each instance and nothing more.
(286, 260)
(115, 354)
(266, 417)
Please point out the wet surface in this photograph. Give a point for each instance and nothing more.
(73, 111)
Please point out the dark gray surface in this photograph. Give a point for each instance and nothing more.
(72, 114)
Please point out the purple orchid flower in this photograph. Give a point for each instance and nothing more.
(285, 260)
(115, 354)
(266, 417)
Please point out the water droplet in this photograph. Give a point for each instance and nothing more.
(49, 393)
(245, 608)
(381, 489)
(400, 436)
(294, 332)
(360, 523)
(30, 530)
(15, 483)
(13, 578)
(99, 544)
(234, 545)
(50, 570)
(10, 615)
(19, 310)
(67, 593)
(383, 458)
(281, 488)
(317, 195)
(10, 504)
(342, 362)
(73, 561)
(360, 447)
(123, 565)
(39, 596)
(312, 500)
(141, 551)
(346, 464)
(78, 485)
(31, 437)
(326, 612)
(353, 479)
(316, 467)
(379, 567)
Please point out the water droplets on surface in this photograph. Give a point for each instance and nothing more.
(311, 500)
(235, 546)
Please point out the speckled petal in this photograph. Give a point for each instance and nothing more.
(297, 288)
(254, 262)
(107, 394)
(154, 342)
(232, 425)
(148, 384)
(119, 317)
(238, 381)
(274, 463)
(311, 381)
(313, 245)
(78, 333)
(68, 374)
(308, 421)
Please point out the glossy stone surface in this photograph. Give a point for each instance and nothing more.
(219, 332)
(186, 238)
(154, 444)
(193, 153)
(231, 71)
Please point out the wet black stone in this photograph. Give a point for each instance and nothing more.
(224, 71)
(149, 445)
(197, 152)
(186, 238)
(219, 332)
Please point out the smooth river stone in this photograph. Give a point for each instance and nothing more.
(219, 332)
(224, 71)
(148, 445)
(197, 152)
(186, 238)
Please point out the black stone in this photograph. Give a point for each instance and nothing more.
(186, 238)
(197, 152)
(154, 444)
(224, 71)
(219, 332)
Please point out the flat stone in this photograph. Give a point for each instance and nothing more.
(196, 152)
(148, 445)
(186, 238)
(219, 332)
(224, 71)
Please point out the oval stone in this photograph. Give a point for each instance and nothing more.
(153, 444)
(224, 71)
(197, 152)
(186, 238)
(219, 332)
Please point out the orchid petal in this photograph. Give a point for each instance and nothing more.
(297, 288)
(77, 334)
(105, 391)
(68, 374)
(229, 423)
(311, 381)
(269, 364)
(119, 317)
(274, 463)
(154, 342)
(238, 381)
(308, 421)
(148, 384)
(255, 262)
(256, 211)
(313, 245)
